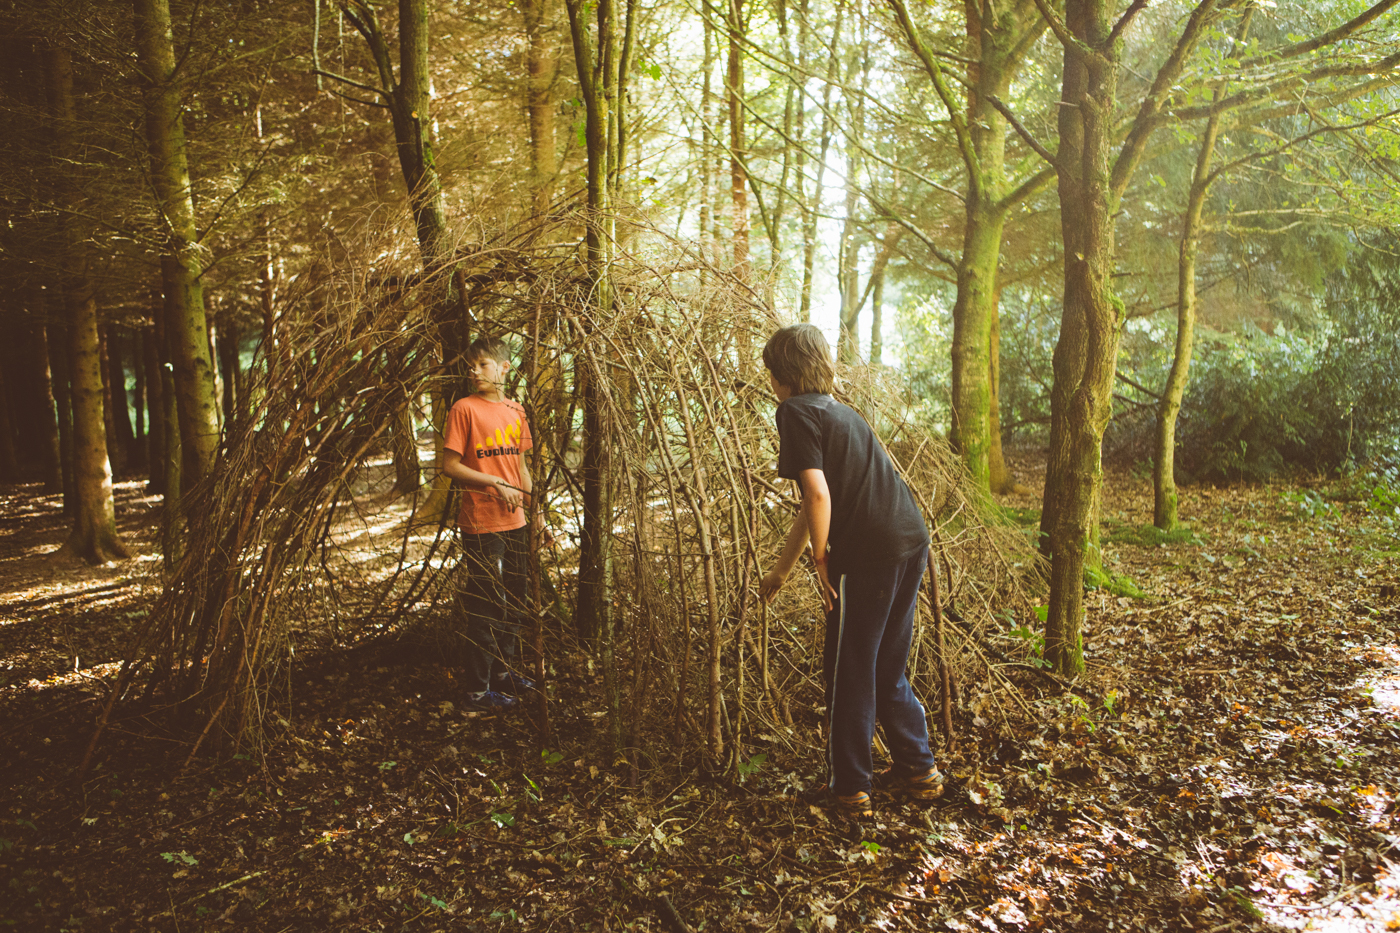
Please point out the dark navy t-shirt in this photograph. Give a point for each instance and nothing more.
(874, 519)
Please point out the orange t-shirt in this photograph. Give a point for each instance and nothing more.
(490, 436)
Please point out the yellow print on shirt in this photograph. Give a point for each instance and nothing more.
(501, 443)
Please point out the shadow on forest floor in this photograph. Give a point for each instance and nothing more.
(1228, 763)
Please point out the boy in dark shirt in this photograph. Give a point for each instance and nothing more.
(853, 500)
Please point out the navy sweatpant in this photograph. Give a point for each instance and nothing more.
(867, 646)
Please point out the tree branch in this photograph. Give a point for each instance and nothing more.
(1125, 21)
(321, 72)
(1327, 38)
(1144, 124)
(955, 115)
(1024, 133)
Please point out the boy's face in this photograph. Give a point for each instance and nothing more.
(487, 374)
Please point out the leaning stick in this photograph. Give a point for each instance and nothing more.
(943, 674)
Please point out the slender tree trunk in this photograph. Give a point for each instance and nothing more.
(1164, 505)
(124, 438)
(406, 94)
(61, 367)
(170, 177)
(1091, 185)
(49, 424)
(708, 233)
(999, 475)
(848, 337)
(736, 28)
(812, 209)
(155, 409)
(998, 39)
(138, 458)
(227, 343)
(541, 68)
(174, 470)
(9, 459)
(94, 533)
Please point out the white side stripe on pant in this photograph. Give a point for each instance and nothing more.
(835, 669)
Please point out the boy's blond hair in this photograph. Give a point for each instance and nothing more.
(491, 347)
(799, 357)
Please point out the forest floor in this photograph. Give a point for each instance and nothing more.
(1229, 762)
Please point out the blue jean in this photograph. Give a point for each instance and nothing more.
(490, 587)
(868, 634)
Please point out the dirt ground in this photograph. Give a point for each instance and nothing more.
(1228, 762)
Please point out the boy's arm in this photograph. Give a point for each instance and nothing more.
(816, 508)
(453, 466)
(796, 541)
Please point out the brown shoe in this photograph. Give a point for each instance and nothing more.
(923, 787)
(855, 805)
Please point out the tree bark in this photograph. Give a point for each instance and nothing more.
(183, 265)
(227, 344)
(94, 531)
(542, 69)
(811, 209)
(736, 28)
(9, 459)
(1091, 185)
(848, 336)
(406, 95)
(1164, 504)
(155, 410)
(52, 436)
(998, 38)
(60, 366)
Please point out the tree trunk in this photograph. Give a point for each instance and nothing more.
(60, 366)
(1091, 185)
(123, 439)
(541, 68)
(1087, 348)
(52, 436)
(94, 532)
(1164, 504)
(735, 29)
(182, 266)
(811, 210)
(155, 410)
(138, 458)
(998, 38)
(848, 335)
(602, 73)
(227, 343)
(9, 460)
(406, 94)
(999, 475)
(175, 475)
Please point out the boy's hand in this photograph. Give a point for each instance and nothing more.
(824, 585)
(770, 584)
(513, 497)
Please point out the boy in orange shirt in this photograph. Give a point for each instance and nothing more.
(487, 437)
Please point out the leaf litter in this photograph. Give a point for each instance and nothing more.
(1228, 762)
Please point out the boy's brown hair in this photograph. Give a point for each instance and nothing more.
(799, 357)
(490, 347)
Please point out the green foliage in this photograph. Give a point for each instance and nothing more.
(503, 819)
(182, 857)
(752, 766)
(1097, 578)
(1319, 398)
(1150, 535)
